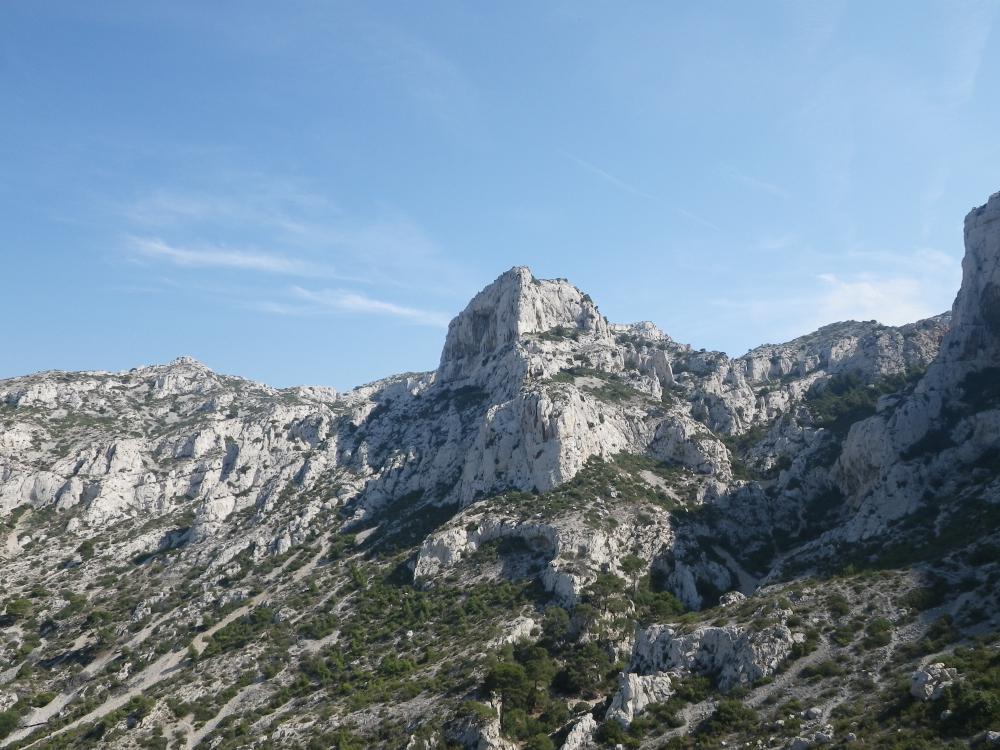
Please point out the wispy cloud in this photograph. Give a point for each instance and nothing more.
(221, 257)
(235, 241)
(893, 301)
(313, 302)
(627, 187)
(758, 184)
(608, 177)
(972, 32)
(294, 230)
(258, 202)
(777, 242)
(697, 219)
(912, 286)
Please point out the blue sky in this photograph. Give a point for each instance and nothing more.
(306, 192)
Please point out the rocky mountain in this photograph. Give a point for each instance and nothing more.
(572, 534)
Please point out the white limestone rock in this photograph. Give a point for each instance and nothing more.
(635, 692)
(930, 682)
(731, 654)
(581, 736)
(574, 551)
(513, 306)
(483, 734)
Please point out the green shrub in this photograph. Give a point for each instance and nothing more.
(539, 742)
(512, 683)
(612, 733)
(19, 607)
(878, 633)
(838, 604)
(8, 722)
(730, 716)
(43, 698)
(826, 668)
(925, 597)
(477, 710)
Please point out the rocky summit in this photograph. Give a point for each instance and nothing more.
(572, 534)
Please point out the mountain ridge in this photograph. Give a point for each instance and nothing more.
(597, 491)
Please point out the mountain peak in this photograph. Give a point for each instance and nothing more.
(187, 361)
(514, 305)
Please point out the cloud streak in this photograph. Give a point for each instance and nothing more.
(608, 177)
(322, 301)
(224, 257)
(759, 185)
(973, 29)
(220, 257)
(294, 231)
(697, 219)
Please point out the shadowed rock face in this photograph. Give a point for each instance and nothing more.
(976, 334)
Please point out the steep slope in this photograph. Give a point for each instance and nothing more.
(572, 532)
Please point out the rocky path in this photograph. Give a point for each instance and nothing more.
(194, 736)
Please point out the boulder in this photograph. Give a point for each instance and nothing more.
(635, 692)
(930, 682)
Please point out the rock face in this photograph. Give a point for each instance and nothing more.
(533, 381)
(729, 656)
(571, 550)
(866, 349)
(499, 318)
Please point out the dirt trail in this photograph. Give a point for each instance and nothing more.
(149, 676)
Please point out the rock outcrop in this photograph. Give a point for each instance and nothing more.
(930, 682)
(635, 693)
(581, 735)
(730, 655)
